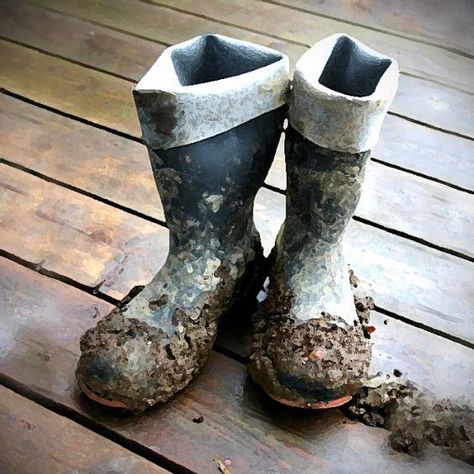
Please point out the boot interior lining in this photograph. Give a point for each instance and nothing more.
(212, 59)
(352, 71)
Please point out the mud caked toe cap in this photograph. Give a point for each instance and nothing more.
(129, 364)
(318, 363)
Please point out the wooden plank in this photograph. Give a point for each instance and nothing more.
(73, 235)
(446, 24)
(431, 106)
(145, 21)
(89, 158)
(96, 46)
(427, 151)
(392, 198)
(67, 86)
(415, 58)
(399, 139)
(239, 422)
(118, 251)
(34, 440)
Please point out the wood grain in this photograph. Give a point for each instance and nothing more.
(431, 104)
(34, 440)
(69, 87)
(400, 140)
(434, 213)
(98, 245)
(42, 320)
(91, 159)
(415, 58)
(164, 25)
(427, 151)
(447, 24)
(76, 236)
(89, 44)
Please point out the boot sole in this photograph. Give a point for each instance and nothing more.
(103, 401)
(314, 405)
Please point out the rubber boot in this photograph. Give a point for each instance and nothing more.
(309, 348)
(212, 112)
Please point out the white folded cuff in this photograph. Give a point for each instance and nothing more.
(341, 92)
(206, 86)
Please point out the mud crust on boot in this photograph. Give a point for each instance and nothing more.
(141, 346)
(314, 364)
(142, 365)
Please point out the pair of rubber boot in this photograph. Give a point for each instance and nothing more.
(212, 111)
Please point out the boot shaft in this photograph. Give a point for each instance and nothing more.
(324, 188)
(211, 111)
(208, 188)
(341, 93)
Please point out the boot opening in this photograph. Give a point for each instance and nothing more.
(352, 71)
(213, 58)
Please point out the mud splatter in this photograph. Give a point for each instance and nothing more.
(415, 418)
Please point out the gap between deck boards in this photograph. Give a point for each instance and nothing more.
(368, 24)
(48, 438)
(416, 57)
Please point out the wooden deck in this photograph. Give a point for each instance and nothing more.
(81, 224)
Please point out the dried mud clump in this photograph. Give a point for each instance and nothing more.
(130, 364)
(309, 361)
(314, 361)
(415, 419)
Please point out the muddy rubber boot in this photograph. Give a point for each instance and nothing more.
(212, 112)
(309, 348)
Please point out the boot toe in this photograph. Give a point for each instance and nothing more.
(316, 363)
(124, 363)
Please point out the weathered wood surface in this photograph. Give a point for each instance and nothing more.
(446, 24)
(42, 320)
(144, 21)
(392, 205)
(97, 245)
(65, 86)
(120, 16)
(93, 45)
(402, 143)
(33, 440)
(427, 151)
(76, 236)
(416, 58)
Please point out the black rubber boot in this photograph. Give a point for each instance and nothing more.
(309, 348)
(212, 111)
